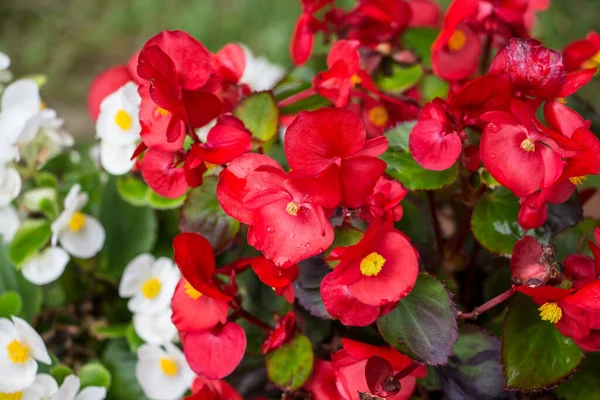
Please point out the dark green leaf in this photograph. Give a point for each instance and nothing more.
(94, 374)
(13, 280)
(423, 325)
(10, 304)
(419, 40)
(586, 382)
(307, 286)
(202, 213)
(121, 363)
(401, 166)
(29, 239)
(289, 366)
(260, 115)
(399, 79)
(535, 354)
(575, 239)
(130, 231)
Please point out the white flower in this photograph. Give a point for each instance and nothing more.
(10, 185)
(42, 388)
(163, 374)
(81, 235)
(150, 283)
(20, 347)
(46, 266)
(259, 73)
(5, 74)
(118, 127)
(32, 199)
(69, 390)
(155, 328)
(9, 223)
(24, 113)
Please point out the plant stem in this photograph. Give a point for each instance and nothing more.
(406, 371)
(486, 54)
(240, 312)
(488, 305)
(296, 97)
(437, 230)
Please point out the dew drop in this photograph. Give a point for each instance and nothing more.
(492, 127)
(270, 229)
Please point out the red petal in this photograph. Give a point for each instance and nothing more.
(223, 144)
(575, 80)
(525, 262)
(106, 83)
(186, 310)
(587, 297)
(458, 11)
(424, 13)
(341, 304)
(461, 64)
(561, 118)
(274, 276)
(161, 175)
(302, 40)
(362, 351)
(359, 176)
(322, 382)
(215, 353)
(432, 147)
(378, 372)
(347, 52)
(231, 62)
(201, 107)
(545, 293)
(158, 126)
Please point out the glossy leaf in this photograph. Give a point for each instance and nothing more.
(307, 286)
(412, 328)
(535, 354)
(586, 382)
(29, 239)
(94, 374)
(260, 115)
(399, 79)
(402, 167)
(133, 190)
(290, 366)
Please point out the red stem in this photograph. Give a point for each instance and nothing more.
(406, 371)
(240, 312)
(296, 97)
(437, 230)
(488, 305)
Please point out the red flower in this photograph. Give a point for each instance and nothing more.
(227, 140)
(280, 279)
(302, 39)
(583, 53)
(282, 333)
(381, 268)
(380, 21)
(350, 369)
(162, 173)
(207, 389)
(384, 201)
(336, 139)
(529, 263)
(381, 115)
(188, 303)
(424, 13)
(195, 259)
(323, 381)
(216, 352)
(534, 209)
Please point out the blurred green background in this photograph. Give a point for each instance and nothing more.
(71, 41)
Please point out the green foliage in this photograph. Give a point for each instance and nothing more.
(29, 239)
(94, 374)
(120, 362)
(289, 366)
(10, 304)
(260, 115)
(399, 79)
(137, 193)
(12, 281)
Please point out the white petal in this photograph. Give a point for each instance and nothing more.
(4, 61)
(177, 355)
(155, 384)
(202, 133)
(69, 388)
(124, 99)
(22, 93)
(115, 158)
(45, 267)
(28, 335)
(86, 242)
(92, 393)
(15, 377)
(75, 200)
(33, 198)
(155, 328)
(9, 223)
(42, 389)
(138, 270)
(259, 73)
(10, 185)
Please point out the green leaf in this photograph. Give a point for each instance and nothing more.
(60, 372)
(29, 239)
(10, 304)
(94, 374)
(12, 280)
(260, 115)
(133, 339)
(46, 179)
(158, 202)
(423, 325)
(586, 382)
(129, 230)
(121, 363)
(289, 366)
(133, 190)
(398, 136)
(575, 239)
(343, 237)
(110, 332)
(400, 78)
(535, 354)
(202, 213)
(419, 40)
(401, 166)
(431, 87)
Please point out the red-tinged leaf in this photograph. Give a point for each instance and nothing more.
(290, 366)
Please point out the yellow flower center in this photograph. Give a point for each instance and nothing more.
(190, 291)
(168, 366)
(18, 352)
(528, 145)
(550, 312)
(42, 108)
(292, 208)
(592, 62)
(577, 180)
(372, 264)
(151, 288)
(378, 115)
(457, 40)
(161, 111)
(355, 80)
(11, 396)
(123, 120)
(77, 221)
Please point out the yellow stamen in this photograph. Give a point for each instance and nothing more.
(528, 145)
(77, 221)
(11, 396)
(355, 80)
(550, 312)
(578, 180)
(161, 111)
(292, 208)
(378, 115)
(168, 366)
(123, 120)
(190, 291)
(18, 352)
(592, 62)
(562, 100)
(372, 264)
(457, 41)
(43, 106)
(151, 288)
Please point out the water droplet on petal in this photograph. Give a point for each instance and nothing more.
(270, 229)
(492, 127)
